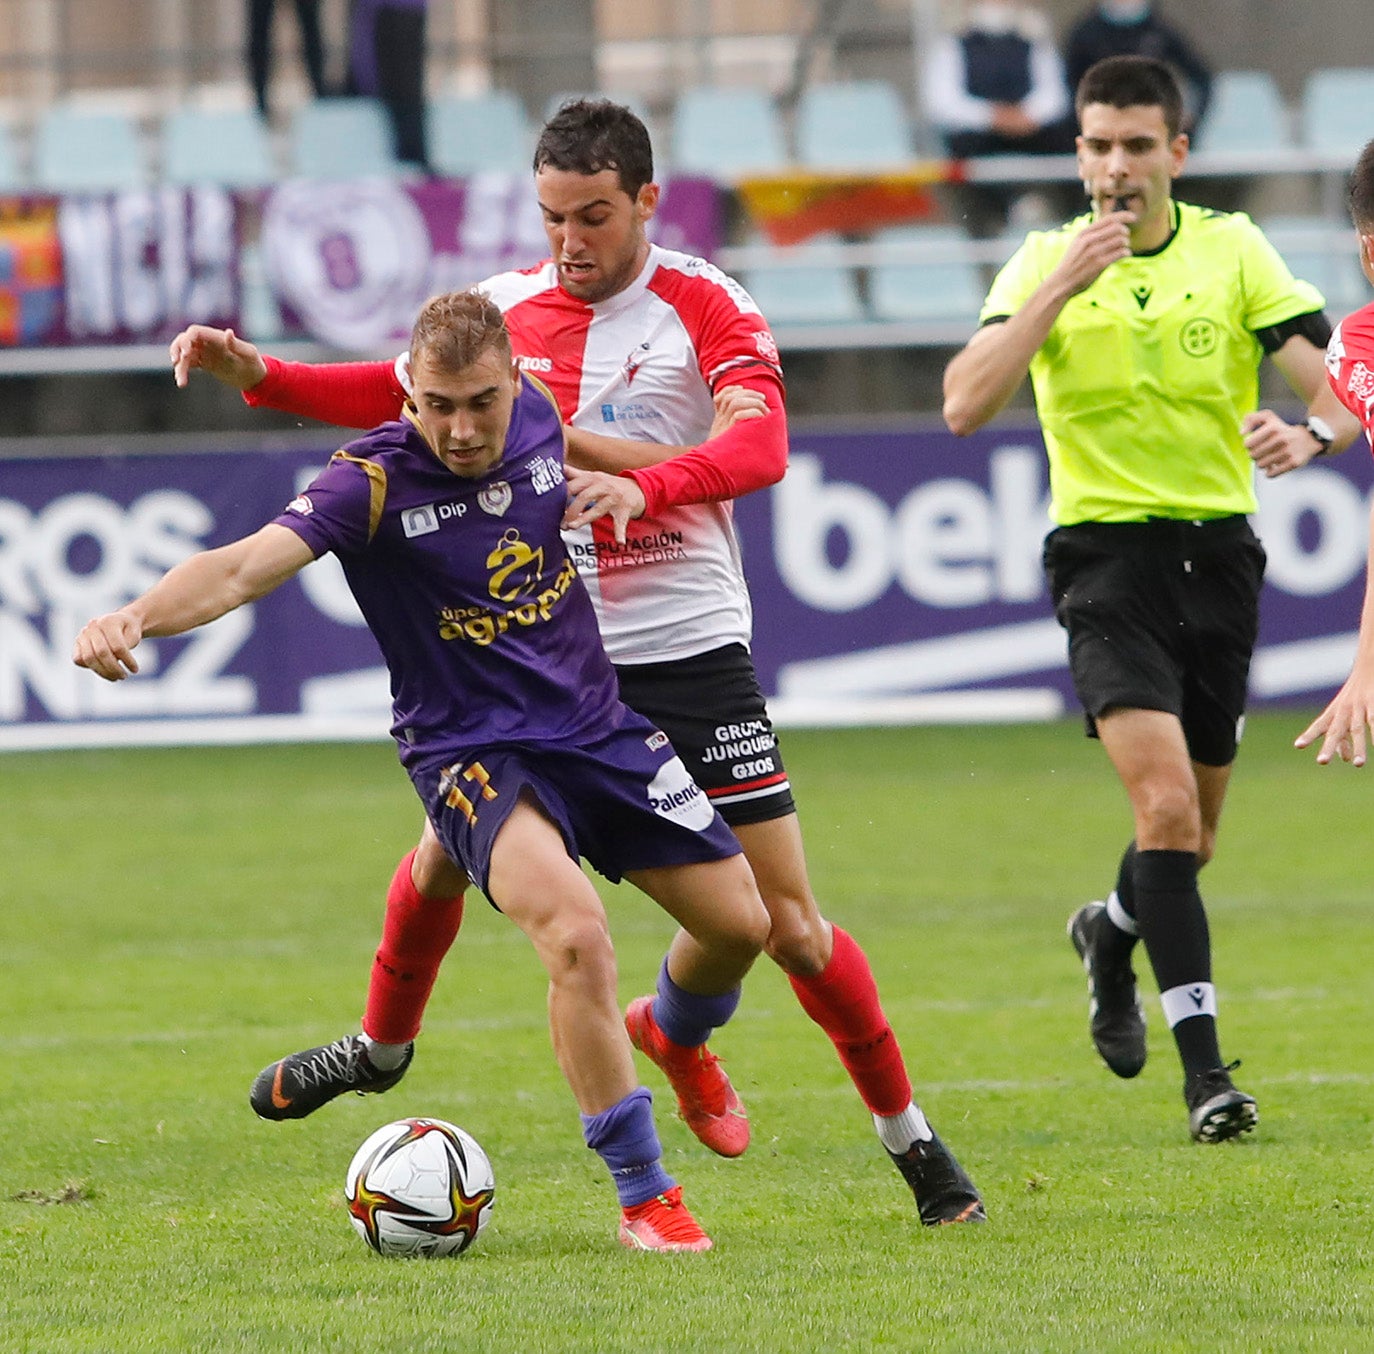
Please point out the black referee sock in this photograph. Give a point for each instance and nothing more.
(1173, 925)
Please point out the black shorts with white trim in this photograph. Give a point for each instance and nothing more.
(713, 712)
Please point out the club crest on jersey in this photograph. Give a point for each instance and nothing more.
(419, 521)
(766, 344)
(633, 362)
(495, 498)
(1361, 381)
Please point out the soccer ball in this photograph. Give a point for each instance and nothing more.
(419, 1187)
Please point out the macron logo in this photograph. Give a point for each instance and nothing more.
(419, 521)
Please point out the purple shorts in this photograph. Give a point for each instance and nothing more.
(623, 801)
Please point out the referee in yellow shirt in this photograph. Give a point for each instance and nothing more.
(1142, 325)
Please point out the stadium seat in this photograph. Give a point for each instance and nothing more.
(726, 133)
(1246, 114)
(12, 176)
(943, 289)
(814, 287)
(1336, 103)
(856, 124)
(80, 150)
(228, 146)
(481, 132)
(1323, 253)
(342, 139)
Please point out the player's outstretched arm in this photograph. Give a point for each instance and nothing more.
(1342, 725)
(599, 493)
(747, 450)
(197, 591)
(220, 353)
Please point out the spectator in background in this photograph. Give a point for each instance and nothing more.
(996, 86)
(260, 15)
(387, 60)
(1136, 28)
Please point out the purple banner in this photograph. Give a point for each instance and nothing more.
(82, 536)
(117, 268)
(907, 565)
(894, 567)
(352, 263)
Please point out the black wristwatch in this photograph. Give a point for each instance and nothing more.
(1321, 430)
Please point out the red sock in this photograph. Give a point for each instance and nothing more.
(843, 1000)
(416, 935)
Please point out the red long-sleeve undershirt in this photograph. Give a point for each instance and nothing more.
(750, 455)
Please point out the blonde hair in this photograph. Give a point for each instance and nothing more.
(455, 329)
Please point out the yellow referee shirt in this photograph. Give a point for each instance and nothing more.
(1143, 380)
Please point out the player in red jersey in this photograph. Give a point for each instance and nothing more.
(634, 340)
(1350, 370)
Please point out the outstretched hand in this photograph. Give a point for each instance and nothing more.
(106, 645)
(1342, 725)
(220, 353)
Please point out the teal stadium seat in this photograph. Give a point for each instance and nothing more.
(1323, 253)
(1336, 110)
(943, 290)
(230, 147)
(1247, 113)
(469, 134)
(342, 139)
(816, 286)
(726, 133)
(852, 125)
(79, 150)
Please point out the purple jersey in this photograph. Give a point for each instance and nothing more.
(488, 633)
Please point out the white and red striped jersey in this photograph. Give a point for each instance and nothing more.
(1350, 366)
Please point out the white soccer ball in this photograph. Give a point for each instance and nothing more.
(420, 1187)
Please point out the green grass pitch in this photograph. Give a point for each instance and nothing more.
(173, 920)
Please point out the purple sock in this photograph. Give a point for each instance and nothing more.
(625, 1139)
(687, 1018)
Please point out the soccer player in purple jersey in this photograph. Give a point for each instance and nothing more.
(506, 716)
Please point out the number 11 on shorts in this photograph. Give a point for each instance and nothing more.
(455, 798)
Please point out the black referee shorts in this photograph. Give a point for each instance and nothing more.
(712, 710)
(1161, 615)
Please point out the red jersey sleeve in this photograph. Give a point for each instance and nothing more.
(750, 455)
(346, 394)
(733, 346)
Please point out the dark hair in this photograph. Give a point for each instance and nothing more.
(1360, 194)
(586, 136)
(455, 329)
(1131, 82)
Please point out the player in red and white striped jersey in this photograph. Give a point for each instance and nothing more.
(1350, 370)
(635, 341)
